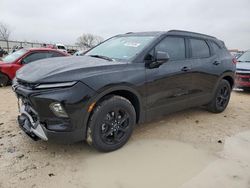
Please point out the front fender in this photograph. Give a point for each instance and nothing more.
(109, 89)
(9, 70)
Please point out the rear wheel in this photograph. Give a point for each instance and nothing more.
(4, 80)
(111, 124)
(221, 97)
(247, 89)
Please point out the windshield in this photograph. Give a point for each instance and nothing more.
(14, 56)
(245, 57)
(121, 48)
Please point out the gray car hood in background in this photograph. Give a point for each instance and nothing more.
(66, 69)
(243, 67)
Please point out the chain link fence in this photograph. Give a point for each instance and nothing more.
(8, 45)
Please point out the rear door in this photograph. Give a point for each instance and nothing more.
(205, 73)
(170, 85)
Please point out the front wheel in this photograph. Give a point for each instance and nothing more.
(4, 80)
(221, 97)
(111, 124)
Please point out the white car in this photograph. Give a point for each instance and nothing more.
(79, 53)
(61, 47)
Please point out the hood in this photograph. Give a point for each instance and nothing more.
(243, 67)
(3, 64)
(63, 69)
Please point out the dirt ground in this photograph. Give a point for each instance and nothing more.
(192, 148)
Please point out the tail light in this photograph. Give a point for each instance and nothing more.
(234, 60)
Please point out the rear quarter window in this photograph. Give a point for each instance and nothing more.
(215, 47)
(199, 48)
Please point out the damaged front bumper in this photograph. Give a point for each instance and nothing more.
(31, 127)
(38, 121)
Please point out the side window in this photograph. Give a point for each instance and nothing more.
(35, 56)
(174, 46)
(55, 54)
(215, 47)
(199, 48)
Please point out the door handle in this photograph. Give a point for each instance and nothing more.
(216, 63)
(185, 69)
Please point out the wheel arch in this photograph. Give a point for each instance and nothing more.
(131, 97)
(4, 74)
(229, 79)
(229, 76)
(124, 91)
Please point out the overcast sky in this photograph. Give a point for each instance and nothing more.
(64, 20)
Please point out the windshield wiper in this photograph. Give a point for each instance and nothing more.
(102, 57)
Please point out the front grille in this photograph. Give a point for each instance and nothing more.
(238, 69)
(243, 77)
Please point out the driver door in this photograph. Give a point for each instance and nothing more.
(170, 85)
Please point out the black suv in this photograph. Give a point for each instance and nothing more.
(127, 79)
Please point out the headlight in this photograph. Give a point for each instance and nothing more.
(58, 110)
(54, 85)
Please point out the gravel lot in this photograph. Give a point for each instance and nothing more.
(183, 149)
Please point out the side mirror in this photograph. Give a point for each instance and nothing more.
(160, 58)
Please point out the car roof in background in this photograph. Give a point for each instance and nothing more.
(40, 49)
(44, 49)
(59, 44)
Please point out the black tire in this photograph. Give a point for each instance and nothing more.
(111, 124)
(4, 80)
(246, 89)
(221, 97)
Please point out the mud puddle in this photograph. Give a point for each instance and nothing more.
(146, 163)
(231, 170)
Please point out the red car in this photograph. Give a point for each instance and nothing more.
(11, 63)
(242, 79)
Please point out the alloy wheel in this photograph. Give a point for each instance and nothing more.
(115, 126)
(222, 97)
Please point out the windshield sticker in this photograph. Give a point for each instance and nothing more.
(132, 44)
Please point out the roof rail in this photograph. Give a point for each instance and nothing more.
(182, 31)
(129, 33)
